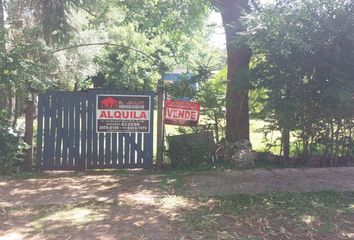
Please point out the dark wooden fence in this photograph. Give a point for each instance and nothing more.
(67, 138)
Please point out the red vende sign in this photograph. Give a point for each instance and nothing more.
(182, 113)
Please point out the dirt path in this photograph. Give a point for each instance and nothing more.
(132, 206)
(85, 207)
(263, 181)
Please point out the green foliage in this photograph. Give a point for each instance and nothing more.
(11, 147)
(209, 90)
(212, 98)
(25, 67)
(154, 29)
(302, 70)
(126, 70)
(174, 18)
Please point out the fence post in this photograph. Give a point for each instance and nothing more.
(39, 143)
(159, 155)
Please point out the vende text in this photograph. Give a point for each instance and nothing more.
(182, 114)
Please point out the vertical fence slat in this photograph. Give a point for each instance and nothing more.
(83, 103)
(59, 129)
(53, 118)
(39, 153)
(120, 150)
(107, 161)
(77, 162)
(132, 150)
(65, 130)
(126, 150)
(114, 150)
(71, 131)
(101, 140)
(89, 129)
(101, 150)
(46, 132)
(95, 135)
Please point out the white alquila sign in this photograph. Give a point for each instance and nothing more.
(123, 113)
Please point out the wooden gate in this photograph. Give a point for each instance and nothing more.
(67, 136)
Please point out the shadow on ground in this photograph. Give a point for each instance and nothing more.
(133, 206)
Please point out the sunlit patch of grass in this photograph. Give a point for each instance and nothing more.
(175, 202)
(308, 219)
(173, 206)
(143, 197)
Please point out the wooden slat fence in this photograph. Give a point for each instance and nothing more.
(67, 138)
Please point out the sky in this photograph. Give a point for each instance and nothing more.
(218, 40)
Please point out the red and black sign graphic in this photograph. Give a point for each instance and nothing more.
(182, 113)
(123, 113)
(109, 103)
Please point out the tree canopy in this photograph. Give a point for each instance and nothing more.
(303, 59)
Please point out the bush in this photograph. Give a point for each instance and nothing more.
(11, 148)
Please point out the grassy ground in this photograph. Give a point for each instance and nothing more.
(323, 215)
(317, 215)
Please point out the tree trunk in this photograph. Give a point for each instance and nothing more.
(3, 91)
(10, 105)
(16, 111)
(216, 126)
(305, 152)
(28, 138)
(238, 58)
(336, 145)
(286, 144)
(2, 27)
(332, 144)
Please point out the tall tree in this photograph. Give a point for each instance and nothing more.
(4, 92)
(2, 26)
(238, 59)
